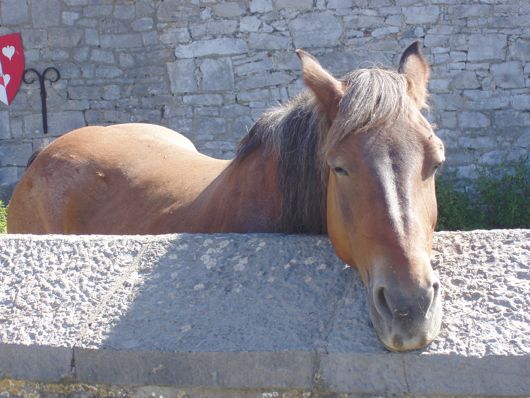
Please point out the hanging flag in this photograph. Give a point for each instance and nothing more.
(11, 66)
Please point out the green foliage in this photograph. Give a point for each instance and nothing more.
(455, 210)
(498, 198)
(3, 218)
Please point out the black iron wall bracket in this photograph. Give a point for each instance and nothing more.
(45, 75)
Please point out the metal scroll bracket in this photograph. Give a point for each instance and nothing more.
(45, 75)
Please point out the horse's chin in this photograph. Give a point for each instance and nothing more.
(399, 336)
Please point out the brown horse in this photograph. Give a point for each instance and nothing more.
(354, 158)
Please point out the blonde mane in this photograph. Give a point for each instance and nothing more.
(374, 98)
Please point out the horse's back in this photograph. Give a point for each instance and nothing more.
(115, 179)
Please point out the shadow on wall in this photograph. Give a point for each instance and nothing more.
(215, 294)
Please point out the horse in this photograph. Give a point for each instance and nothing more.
(352, 157)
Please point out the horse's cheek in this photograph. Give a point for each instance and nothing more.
(337, 227)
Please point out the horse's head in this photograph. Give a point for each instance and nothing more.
(382, 155)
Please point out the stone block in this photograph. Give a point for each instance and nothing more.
(222, 27)
(465, 80)
(268, 41)
(448, 102)
(471, 10)
(495, 375)
(92, 37)
(249, 24)
(222, 46)
(5, 126)
(34, 38)
(69, 17)
(293, 4)
(508, 74)
(142, 24)
(182, 76)
(387, 30)
(434, 40)
(99, 10)
(64, 37)
(260, 6)
(521, 49)
(315, 29)
(485, 100)
(175, 35)
(9, 176)
(343, 373)
(108, 72)
(512, 118)
(486, 47)
(102, 56)
(264, 80)
(209, 125)
(15, 154)
(203, 99)
(228, 9)
(254, 67)
(178, 11)
(128, 40)
(45, 13)
(521, 102)
(124, 12)
(14, 12)
(43, 363)
(421, 14)
(63, 122)
(473, 120)
(217, 74)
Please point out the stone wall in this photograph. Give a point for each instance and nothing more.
(208, 69)
(249, 316)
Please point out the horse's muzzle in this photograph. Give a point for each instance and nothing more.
(405, 319)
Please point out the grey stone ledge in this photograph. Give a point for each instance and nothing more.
(265, 312)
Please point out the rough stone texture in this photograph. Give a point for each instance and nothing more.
(240, 313)
(128, 61)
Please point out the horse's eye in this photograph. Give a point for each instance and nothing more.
(340, 171)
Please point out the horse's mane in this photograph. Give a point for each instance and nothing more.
(298, 134)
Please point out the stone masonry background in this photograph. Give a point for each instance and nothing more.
(208, 69)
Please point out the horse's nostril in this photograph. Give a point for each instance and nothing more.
(382, 305)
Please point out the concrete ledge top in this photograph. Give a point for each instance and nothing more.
(254, 311)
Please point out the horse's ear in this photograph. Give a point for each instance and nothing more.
(415, 67)
(326, 88)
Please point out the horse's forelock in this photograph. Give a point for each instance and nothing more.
(374, 98)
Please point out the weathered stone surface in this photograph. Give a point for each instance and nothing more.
(5, 128)
(421, 15)
(466, 79)
(316, 29)
(217, 74)
(13, 154)
(473, 120)
(45, 13)
(223, 46)
(508, 74)
(182, 76)
(14, 12)
(486, 47)
(228, 9)
(254, 312)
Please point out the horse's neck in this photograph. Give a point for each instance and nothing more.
(246, 196)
